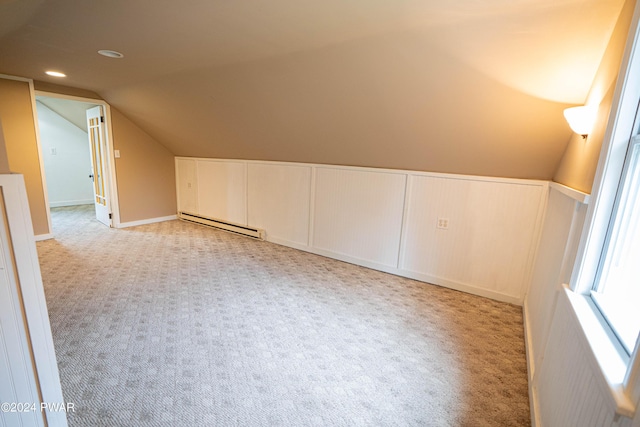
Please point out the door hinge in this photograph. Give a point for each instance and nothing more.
(101, 119)
(109, 216)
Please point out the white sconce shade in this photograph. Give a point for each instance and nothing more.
(581, 119)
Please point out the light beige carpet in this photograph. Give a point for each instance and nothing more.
(175, 324)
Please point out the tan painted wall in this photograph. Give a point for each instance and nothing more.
(578, 165)
(145, 173)
(4, 160)
(64, 90)
(392, 101)
(22, 149)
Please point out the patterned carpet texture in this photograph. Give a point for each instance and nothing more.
(175, 324)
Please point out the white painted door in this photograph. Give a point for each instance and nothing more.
(98, 145)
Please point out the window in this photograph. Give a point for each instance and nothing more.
(606, 275)
(617, 286)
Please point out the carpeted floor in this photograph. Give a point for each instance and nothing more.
(174, 324)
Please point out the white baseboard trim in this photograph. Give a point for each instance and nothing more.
(41, 237)
(354, 260)
(287, 243)
(528, 344)
(70, 203)
(146, 221)
(462, 287)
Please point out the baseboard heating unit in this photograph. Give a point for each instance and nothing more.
(256, 233)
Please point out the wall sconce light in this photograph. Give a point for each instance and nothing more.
(581, 119)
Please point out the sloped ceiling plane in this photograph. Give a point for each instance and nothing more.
(471, 86)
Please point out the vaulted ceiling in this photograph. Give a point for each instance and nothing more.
(471, 86)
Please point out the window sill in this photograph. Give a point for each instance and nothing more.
(611, 359)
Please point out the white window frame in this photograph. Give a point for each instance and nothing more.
(617, 248)
(619, 130)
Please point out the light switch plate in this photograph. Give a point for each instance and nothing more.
(116, 154)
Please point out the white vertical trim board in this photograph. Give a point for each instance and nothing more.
(32, 292)
(40, 159)
(187, 185)
(405, 218)
(380, 218)
(17, 373)
(312, 204)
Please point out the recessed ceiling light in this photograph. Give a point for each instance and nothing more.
(55, 74)
(110, 53)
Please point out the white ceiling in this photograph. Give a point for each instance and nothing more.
(73, 111)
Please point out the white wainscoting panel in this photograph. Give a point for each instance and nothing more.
(570, 391)
(17, 373)
(222, 190)
(489, 243)
(278, 201)
(563, 215)
(29, 356)
(575, 372)
(358, 214)
(380, 218)
(187, 185)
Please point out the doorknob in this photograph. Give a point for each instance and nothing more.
(91, 176)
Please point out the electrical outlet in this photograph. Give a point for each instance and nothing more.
(188, 185)
(443, 223)
(54, 151)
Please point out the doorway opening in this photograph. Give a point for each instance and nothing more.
(76, 153)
